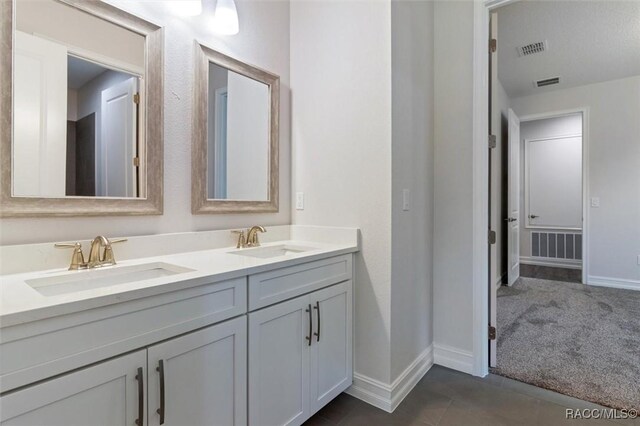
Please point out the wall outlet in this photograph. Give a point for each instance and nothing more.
(299, 200)
(595, 202)
(406, 200)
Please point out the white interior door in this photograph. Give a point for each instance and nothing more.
(117, 174)
(40, 117)
(204, 377)
(513, 198)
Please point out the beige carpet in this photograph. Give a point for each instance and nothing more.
(582, 341)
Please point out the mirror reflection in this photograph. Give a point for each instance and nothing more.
(237, 136)
(78, 103)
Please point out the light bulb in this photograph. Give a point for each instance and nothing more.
(185, 7)
(225, 18)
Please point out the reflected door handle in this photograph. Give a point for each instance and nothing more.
(533, 216)
(511, 219)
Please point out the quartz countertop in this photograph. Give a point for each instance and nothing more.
(21, 303)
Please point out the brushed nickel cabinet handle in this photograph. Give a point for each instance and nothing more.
(140, 379)
(160, 370)
(310, 324)
(317, 307)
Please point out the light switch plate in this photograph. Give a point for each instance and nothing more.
(595, 202)
(299, 200)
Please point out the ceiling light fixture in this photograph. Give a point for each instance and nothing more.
(225, 18)
(185, 7)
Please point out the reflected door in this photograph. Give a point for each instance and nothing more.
(117, 174)
(514, 198)
(40, 117)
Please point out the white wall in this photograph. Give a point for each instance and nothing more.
(453, 196)
(263, 41)
(614, 171)
(341, 130)
(51, 19)
(248, 111)
(412, 168)
(540, 129)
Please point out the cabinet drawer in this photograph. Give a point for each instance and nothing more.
(275, 286)
(74, 340)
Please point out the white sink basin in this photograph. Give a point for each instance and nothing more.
(98, 278)
(273, 251)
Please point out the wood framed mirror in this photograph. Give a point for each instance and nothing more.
(235, 136)
(81, 110)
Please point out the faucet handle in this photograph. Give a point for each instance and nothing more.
(242, 242)
(77, 258)
(108, 257)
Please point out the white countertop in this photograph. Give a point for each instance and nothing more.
(20, 303)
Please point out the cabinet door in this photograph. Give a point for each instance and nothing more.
(331, 353)
(107, 394)
(279, 364)
(200, 378)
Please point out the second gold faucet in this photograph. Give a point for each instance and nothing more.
(251, 239)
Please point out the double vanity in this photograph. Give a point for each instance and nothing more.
(185, 329)
(222, 336)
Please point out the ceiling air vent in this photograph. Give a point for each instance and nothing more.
(532, 48)
(547, 82)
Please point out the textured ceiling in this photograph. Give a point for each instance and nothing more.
(588, 42)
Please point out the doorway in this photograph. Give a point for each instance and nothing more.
(564, 221)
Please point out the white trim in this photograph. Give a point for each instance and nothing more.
(454, 358)
(614, 282)
(480, 186)
(550, 261)
(388, 397)
(527, 179)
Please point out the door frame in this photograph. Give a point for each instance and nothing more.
(480, 207)
(585, 174)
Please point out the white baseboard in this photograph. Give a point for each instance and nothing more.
(388, 397)
(454, 358)
(613, 282)
(549, 261)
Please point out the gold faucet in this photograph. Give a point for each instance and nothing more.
(97, 258)
(251, 239)
(252, 236)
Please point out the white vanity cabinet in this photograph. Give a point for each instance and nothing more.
(300, 355)
(201, 378)
(111, 393)
(197, 379)
(266, 348)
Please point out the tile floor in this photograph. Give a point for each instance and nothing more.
(447, 397)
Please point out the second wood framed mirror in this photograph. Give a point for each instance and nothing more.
(235, 136)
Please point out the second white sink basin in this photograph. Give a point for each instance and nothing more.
(97, 278)
(273, 251)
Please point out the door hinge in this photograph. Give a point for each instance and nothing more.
(492, 237)
(136, 98)
(493, 141)
(492, 333)
(493, 45)
(136, 161)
